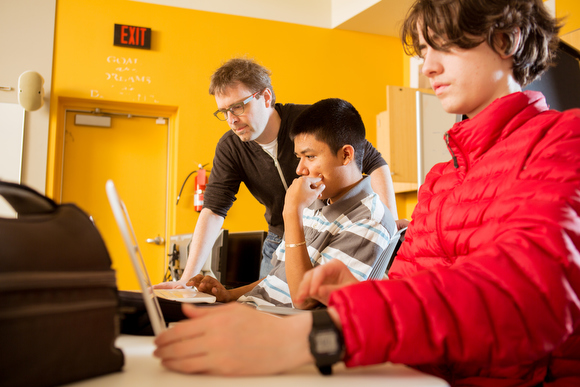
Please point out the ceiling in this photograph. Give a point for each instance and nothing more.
(382, 17)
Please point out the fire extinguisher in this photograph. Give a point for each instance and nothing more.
(200, 183)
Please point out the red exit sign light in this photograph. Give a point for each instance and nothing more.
(132, 36)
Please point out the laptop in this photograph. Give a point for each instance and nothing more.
(149, 294)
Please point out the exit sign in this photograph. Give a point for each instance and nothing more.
(132, 36)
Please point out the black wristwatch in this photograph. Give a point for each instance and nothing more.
(326, 342)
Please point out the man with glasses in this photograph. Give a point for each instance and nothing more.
(258, 152)
(340, 219)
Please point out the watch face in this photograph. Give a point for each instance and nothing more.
(326, 342)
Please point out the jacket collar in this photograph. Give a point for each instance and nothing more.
(471, 138)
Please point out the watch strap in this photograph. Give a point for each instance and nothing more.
(326, 341)
(325, 370)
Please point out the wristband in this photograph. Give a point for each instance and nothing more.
(295, 244)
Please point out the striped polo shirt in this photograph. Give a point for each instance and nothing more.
(355, 229)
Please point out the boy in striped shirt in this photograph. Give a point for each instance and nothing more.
(330, 212)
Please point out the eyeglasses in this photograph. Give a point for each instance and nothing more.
(236, 109)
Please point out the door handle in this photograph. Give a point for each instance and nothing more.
(156, 241)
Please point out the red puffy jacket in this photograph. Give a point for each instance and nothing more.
(485, 289)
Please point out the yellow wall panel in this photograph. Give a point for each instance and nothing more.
(570, 9)
(307, 64)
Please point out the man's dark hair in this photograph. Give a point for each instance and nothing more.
(334, 122)
(241, 70)
(468, 23)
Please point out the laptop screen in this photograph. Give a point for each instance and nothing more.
(126, 228)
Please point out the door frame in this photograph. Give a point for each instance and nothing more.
(54, 176)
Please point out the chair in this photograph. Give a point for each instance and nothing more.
(384, 261)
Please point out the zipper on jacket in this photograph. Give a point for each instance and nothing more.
(455, 164)
(277, 164)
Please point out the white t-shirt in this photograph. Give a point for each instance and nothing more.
(271, 148)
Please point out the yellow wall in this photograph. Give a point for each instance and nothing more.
(406, 202)
(307, 63)
(570, 9)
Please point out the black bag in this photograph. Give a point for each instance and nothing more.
(58, 294)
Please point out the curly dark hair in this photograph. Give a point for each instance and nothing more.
(241, 70)
(468, 23)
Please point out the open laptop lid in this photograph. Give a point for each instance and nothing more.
(122, 218)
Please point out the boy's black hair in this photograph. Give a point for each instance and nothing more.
(335, 122)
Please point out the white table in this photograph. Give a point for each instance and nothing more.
(142, 369)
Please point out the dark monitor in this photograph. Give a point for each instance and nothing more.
(236, 257)
(244, 256)
(561, 83)
(219, 254)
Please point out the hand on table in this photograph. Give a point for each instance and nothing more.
(181, 284)
(235, 339)
(210, 285)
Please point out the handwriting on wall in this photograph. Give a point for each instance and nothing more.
(125, 79)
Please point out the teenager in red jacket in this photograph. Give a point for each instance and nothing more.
(486, 287)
